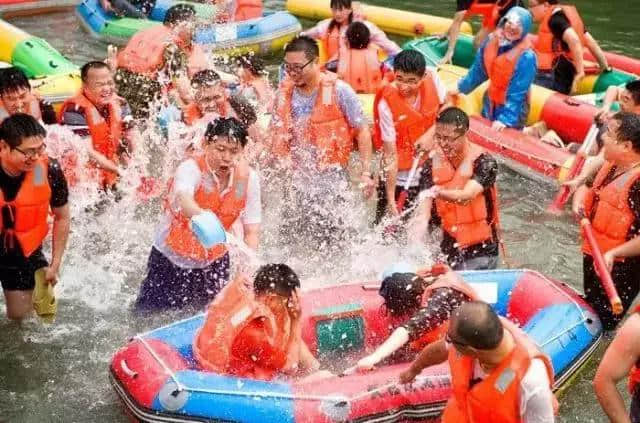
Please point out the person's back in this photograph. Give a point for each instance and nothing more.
(358, 62)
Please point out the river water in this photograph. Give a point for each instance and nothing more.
(58, 373)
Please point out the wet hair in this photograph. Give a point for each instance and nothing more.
(339, 4)
(358, 35)
(253, 64)
(477, 325)
(226, 127)
(629, 129)
(13, 79)
(305, 44)
(277, 278)
(178, 14)
(634, 88)
(243, 108)
(205, 78)
(552, 1)
(456, 117)
(410, 61)
(16, 128)
(402, 293)
(84, 71)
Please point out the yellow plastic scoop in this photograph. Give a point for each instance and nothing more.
(44, 299)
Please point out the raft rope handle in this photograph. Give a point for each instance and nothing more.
(168, 371)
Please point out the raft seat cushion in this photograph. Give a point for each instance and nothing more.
(339, 329)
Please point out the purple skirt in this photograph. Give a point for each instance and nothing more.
(169, 286)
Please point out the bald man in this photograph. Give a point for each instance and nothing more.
(497, 372)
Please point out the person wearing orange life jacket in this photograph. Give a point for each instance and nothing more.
(612, 204)
(16, 97)
(332, 32)
(256, 334)
(358, 64)
(237, 10)
(491, 11)
(254, 82)
(31, 185)
(157, 55)
(508, 62)
(424, 302)
(561, 40)
(459, 192)
(214, 188)
(622, 359)
(96, 112)
(403, 111)
(498, 374)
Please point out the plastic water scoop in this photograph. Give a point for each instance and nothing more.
(208, 229)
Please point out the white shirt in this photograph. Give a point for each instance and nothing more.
(536, 398)
(187, 179)
(388, 129)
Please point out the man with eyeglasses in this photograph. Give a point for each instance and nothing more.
(498, 374)
(316, 119)
(30, 186)
(459, 181)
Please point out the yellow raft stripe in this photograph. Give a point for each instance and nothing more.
(10, 37)
(393, 21)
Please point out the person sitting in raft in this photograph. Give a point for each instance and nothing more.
(459, 191)
(508, 62)
(621, 359)
(31, 187)
(498, 374)
(208, 193)
(424, 302)
(97, 112)
(332, 32)
(237, 10)
(157, 55)
(403, 111)
(16, 96)
(254, 82)
(490, 10)
(612, 205)
(561, 40)
(358, 64)
(139, 9)
(256, 334)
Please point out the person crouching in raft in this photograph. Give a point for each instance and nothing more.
(612, 205)
(16, 97)
(403, 111)
(460, 186)
(491, 11)
(621, 359)
(214, 187)
(256, 334)
(96, 111)
(31, 186)
(160, 54)
(507, 60)
(358, 64)
(424, 304)
(498, 374)
(332, 32)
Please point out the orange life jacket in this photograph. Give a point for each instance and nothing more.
(226, 206)
(248, 9)
(228, 314)
(496, 399)
(331, 41)
(360, 68)
(409, 123)
(33, 110)
(468, 223)
(449, 280)
(546, 50)
(29, 209)
(191, 114)
(500, 67)
(144, 53)
(634, 373)
(105, 136)
(489, 11)
(607, 206)
(327, 127)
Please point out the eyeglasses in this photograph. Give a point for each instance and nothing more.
(33, 152)
(296, 68)
(441, 138)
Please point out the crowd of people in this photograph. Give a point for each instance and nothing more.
(317, 123)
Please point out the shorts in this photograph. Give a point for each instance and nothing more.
(21, 276)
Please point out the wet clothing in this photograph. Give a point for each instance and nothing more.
(381, 206)
(485, 171)
(491, 17)
(76, 117)
(437, 310)
(465, 4)
(170, 286)
(141, 6)
(634, 411)
(16, 270)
